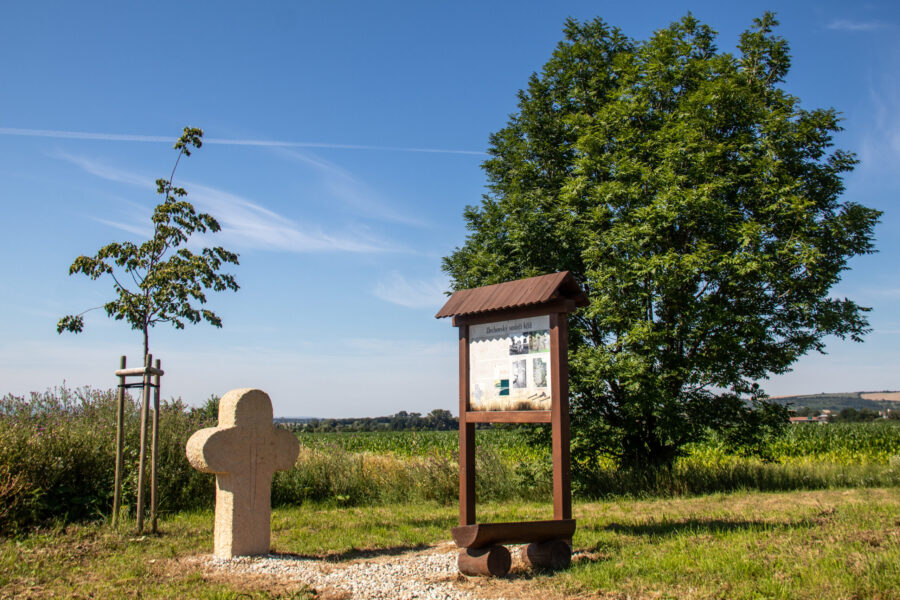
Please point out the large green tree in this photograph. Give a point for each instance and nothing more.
(698, 205)
(160, 280)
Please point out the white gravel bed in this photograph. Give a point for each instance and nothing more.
(412, 576)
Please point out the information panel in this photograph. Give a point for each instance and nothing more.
(509, 365)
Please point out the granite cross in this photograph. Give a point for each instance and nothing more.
(244, 451)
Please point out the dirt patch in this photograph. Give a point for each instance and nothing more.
(426, 573)
(889, 396)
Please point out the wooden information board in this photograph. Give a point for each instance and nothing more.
(513, 368)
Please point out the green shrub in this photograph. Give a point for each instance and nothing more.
(57, 457)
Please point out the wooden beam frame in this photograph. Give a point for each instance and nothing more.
(509, 416)
(150, 379)
(466, 436)
(559, 366)
(551, 297)
(537, 310)
(487, 534)
(557, 416)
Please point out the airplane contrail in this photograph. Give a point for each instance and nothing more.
(127, 137)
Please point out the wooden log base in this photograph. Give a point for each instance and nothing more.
(492, 560)
(480, 535)
(555, 555)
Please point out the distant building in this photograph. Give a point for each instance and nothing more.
(819, 419)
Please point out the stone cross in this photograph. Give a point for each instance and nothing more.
(244, 451)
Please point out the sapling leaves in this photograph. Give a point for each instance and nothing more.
(160, 280)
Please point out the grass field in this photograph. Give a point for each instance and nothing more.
(807, 545)
(815, 515)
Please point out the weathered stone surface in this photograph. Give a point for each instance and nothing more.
(244, 451)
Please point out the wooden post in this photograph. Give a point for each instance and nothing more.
(154, 449)
(559, 367)
(145, 401)
(120, 443)
(466, 436)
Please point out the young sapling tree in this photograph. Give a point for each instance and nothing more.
(160, 280)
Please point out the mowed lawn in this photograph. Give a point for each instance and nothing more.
(817, 544)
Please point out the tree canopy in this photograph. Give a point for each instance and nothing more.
(159, 281)
(699, 206)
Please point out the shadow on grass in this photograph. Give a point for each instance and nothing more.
(703, 526)
(442, 522)
(352, 554)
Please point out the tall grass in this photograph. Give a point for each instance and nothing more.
(805, 457)
(335, 475)
(57, 457)
(690, 476)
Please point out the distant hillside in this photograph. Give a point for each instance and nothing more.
(838, 401)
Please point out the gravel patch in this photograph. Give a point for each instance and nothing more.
(428, 575)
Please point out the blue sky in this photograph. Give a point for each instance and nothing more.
(344, 140)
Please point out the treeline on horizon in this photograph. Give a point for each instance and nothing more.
(836, 402)
(442, 420)
(437, 420)
(851, 415)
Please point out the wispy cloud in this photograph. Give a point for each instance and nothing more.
(244, 223)
(423, 293)
(128, 137)
(341, 185)
(142, 231)
(847, 25)
(337, 184)
(400, 348)
(83, 135)
(255, 226)
(104, 171)
(880, 147)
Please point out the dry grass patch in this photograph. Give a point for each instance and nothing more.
(96, 561)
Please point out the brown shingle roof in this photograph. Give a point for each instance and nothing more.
(513, 294)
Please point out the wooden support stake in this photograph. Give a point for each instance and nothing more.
(138, 371)
(559, 367)
(555, 554)
(120, 443)
(492, 560)
(466, 436)
(154, 449)
(145, 401)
